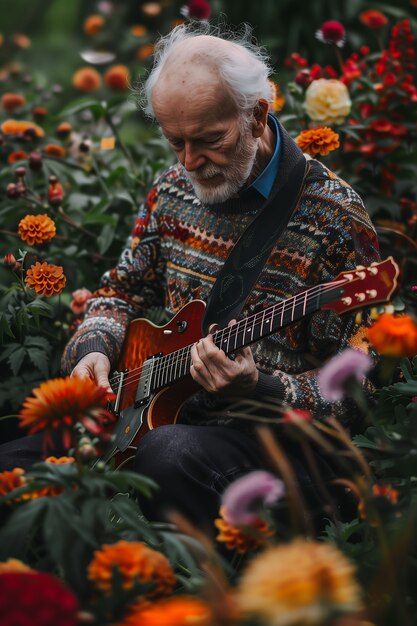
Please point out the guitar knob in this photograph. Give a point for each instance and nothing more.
(360, 297)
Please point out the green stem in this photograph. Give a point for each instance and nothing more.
(7, 417)
(99, 176)
(116, 133)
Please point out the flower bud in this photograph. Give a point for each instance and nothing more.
(55, 192)
(9, 261)
(20, 172)
(12, 191)
(35, 161)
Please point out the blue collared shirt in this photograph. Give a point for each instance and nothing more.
(263, 183)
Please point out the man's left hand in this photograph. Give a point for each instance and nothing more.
(217, 373)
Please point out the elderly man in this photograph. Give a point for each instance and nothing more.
(211, 98)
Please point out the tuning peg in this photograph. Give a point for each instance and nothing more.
(374, 313)
(358, 318)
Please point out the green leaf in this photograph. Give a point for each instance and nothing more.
(363, 442)
(40, 360)
(16, 359)
(81, 105)
(5, 328)
(106, 237)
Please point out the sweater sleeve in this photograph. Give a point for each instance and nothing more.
(351, 241)
(125, 292)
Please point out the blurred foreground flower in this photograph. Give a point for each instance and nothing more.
(45, 278)
(394, 335)
(136, 563)
(93, 24)
(11, 480)
(248, 492)
(242, 540)
(332, 32)
(79, 300)
(379, 492)
(62, 402)
(14, 565)
(36, 229)
(372, 18)
(21, 127)
(196, 10)
(298, 583)
(327, 101)
(342, 368)
(117, 77)
(321, 140)
(176, 611)
(36, 599)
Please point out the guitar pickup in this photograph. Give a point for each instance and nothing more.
(143, 390)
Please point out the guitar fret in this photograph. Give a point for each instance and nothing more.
(293, 308)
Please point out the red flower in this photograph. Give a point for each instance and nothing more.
(332, 32)
(197, 9)
(36, 599)
(373, 18)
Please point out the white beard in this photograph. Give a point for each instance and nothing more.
(234, 175)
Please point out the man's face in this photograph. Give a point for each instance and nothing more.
(214, 145)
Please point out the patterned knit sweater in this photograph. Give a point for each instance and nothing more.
(178, 246)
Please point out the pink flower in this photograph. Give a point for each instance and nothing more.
(79, 301)
(333, 377)
(332, 32)
(196, 10)
(246, 492)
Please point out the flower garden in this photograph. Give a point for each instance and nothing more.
(77, 157)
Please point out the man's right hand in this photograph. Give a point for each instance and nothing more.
(95, 365)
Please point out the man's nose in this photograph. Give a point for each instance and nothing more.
(193, 158)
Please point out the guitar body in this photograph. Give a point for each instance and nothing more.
(143, 340)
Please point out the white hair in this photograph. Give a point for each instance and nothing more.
(244, 70)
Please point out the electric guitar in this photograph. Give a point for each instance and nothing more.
(154, 377)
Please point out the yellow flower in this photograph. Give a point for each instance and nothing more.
(36, 229)
(327, 101)
(321, 140)
(298, 583)
(45, 278)
(136, 562)
(242, 539)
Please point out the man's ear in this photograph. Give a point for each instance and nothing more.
(260, 116)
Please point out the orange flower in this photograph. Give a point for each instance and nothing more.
(138, 30)
(152, 9)
(378, 491)
(62, 402)
(60, 460)
(86, 79)
(175, 611)
(14, 565)
(55, 191)
(21, 41)
(373, 18)
(302, 582)
(117, 77)
(242, 539)
(63, 129)
(11, 480)
(93, 24)
(19, 127)
(52, 149)
(39, 112)
(36, 229)
(394, 335)
(321, 140)
(17, 155)
(278, 97)
(45, 278)
(12, 101)
(145, 51)
(136, 562)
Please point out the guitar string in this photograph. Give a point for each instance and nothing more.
(257, 319)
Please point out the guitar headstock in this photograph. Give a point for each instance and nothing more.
(365, 286)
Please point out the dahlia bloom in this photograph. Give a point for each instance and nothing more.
(136, 562)
(301, 582)
(336, 373)
(242, 540)
(332, 32)
(79, 300)
(394, 335)
(86, 79)
(36, 229)
(327, 101)
(45, 278)
(321, 140)
(247, 491)
(175, 611)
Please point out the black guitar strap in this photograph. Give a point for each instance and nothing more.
(250, 253)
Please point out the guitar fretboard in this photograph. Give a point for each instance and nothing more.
(171, 367)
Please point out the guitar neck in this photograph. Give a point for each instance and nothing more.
(174, 366)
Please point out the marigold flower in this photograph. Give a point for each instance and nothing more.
(139, 30)
(17, 155)
(145, 51)
(14, 565)
(393, 335)
(53, 149)
(321, 140)
(244, 539)
(301, 582)
(336, 373)
(36, 229)
(117, 77)
(372, 18)
(175, 611)
(62, 402)
(136, 562)
(45, 278)
(55, 191)
(39, 112)
(327, 101)
(86, 79)
(332, 32)
(151, 9)
(93, 24)
(60, 460)
(12, 101)
(20, 127)
(21, 41)
(63, 129)
(248, 491)
(11, 480)
(79, 300)
(378, 491)
(25, 596)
